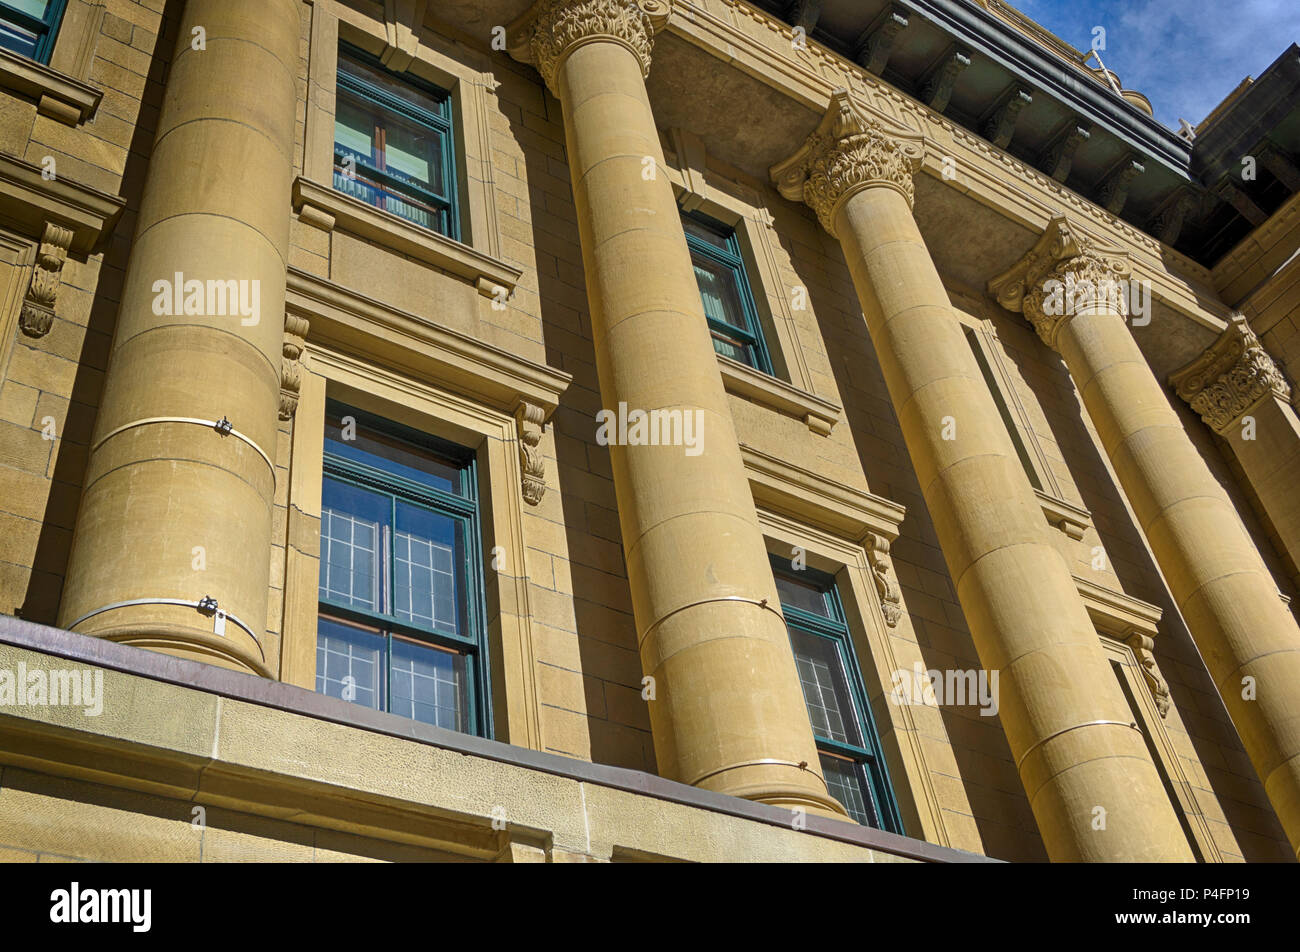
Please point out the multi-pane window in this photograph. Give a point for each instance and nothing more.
(393, 144)
(401, 610)
(724, 289)
(28, 27)
(847, 744)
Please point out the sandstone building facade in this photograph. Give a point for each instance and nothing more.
(638, 430)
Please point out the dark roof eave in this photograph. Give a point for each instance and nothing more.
(1007, 46)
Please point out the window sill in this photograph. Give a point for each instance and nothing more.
(819, 415)
(326, 209)
(1071, 520)
(57, 96)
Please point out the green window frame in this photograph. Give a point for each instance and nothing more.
(401, 625)
(725, 292)
(29, 27)
(847, 741)
(394, 143)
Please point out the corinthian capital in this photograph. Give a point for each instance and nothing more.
(849, 151)
(1064, 274)
(551, 29)
(1230, 377)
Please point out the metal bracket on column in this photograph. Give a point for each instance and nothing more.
(207, 605)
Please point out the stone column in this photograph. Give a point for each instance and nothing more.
(1239, 391)
(1094, 791)
(1072, 289)
(173, 541)
(728, 713)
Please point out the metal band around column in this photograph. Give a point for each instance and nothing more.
(1066, 730)
(222, 426)
(763, 603)
(219, 615)
(764, 762)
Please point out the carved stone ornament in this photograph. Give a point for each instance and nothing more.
(850, 150)
(1142, 649)
(891, 598)
(1234, 374)
(531, 419)
(550, 29)
(1066, 272)
(295, 339)
(38, 306)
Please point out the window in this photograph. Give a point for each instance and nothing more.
(728, 302)
(401, 593)
(847, 744)
(29, 26)
(1008, 421)
(393, 145)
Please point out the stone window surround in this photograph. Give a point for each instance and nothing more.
(405, 48)
(479, 402)
(62, 90)
(740, 208)
(491, 436)
(1122, 622)
(837, 527)
(1071, 519)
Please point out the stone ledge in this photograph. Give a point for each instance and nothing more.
(359, 325)
(30, 201)
(742, 381)
(324, 208)
(810, 498)
(244, 729)
(1071, 520)
(58, 96)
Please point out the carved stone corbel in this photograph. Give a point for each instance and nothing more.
(891, 597)
(296, 328)
(1142, 649)
(531, 421)
(38, 306)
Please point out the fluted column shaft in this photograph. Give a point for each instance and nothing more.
(727, 713)
(173, 510)
(1093, 788)
(1250, 642)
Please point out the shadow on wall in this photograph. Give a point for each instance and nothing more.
(71, 451)
(598, 614)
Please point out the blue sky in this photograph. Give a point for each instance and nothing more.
(1184, 55)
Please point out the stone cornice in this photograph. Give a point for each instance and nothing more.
(1231, 376)
(358, 326)
(1067, 270)
(808, 497)
(30, 201)
(551, 29)
(848, 151)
